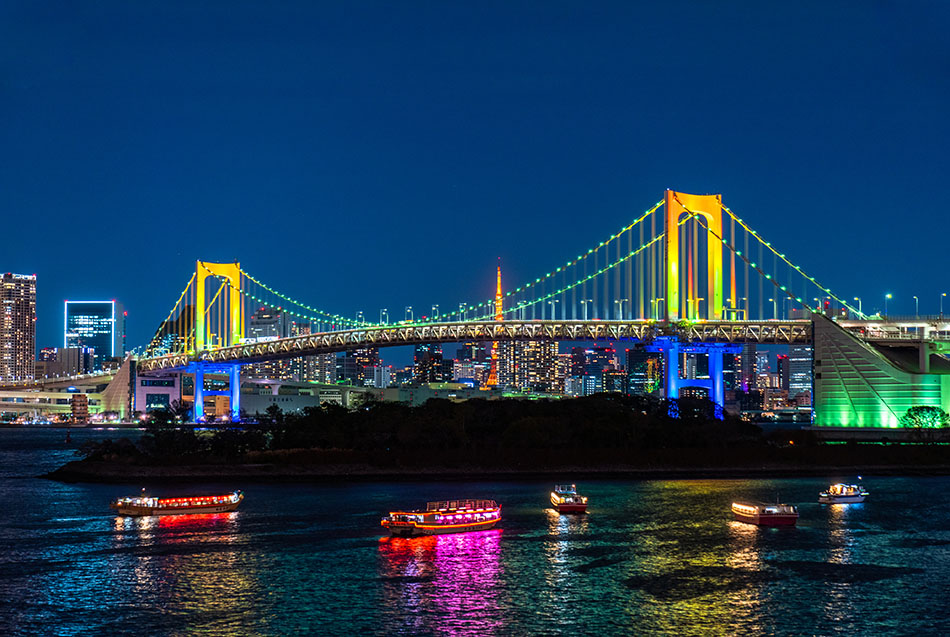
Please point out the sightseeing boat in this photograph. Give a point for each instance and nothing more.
(765, 514)
(147, 505)
(843, 494)
(565, 499)
(447, 516)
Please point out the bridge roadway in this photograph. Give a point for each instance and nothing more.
(738, 332)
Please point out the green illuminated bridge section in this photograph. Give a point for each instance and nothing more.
(779, 332)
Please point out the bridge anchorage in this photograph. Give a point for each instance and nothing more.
(687, 276)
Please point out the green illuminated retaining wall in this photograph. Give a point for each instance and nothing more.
(856, 385)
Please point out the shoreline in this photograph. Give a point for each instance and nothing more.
(112, 473)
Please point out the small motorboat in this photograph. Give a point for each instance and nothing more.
(765, 514)
(565, 499)
(843, 494)
(447, 516)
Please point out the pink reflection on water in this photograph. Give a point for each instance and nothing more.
(447, 584)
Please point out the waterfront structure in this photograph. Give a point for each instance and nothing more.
(98, 325)
(17, 327)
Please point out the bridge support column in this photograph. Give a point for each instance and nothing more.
(671, 364)
(233, 392)
(234, 386)
(199, 408)
(717, 392)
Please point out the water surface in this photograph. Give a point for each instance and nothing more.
(652, 557)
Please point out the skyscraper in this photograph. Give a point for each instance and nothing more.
(99, 325)
(17, 326)
(800, 374)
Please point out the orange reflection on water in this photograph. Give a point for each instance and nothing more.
(453, 577)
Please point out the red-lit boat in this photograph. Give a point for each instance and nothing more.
(565, 499)
(447, 516)
(147, 505)
(765, 514)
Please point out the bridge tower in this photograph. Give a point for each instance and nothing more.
(710, 208)
(233, 334)
(231, 272)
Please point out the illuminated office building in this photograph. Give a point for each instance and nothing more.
(98, 325)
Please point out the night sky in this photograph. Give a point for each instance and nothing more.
(367, 155)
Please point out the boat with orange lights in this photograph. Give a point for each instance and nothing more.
(565, 499)
(148, 505)
(765, 514)
(446, 516)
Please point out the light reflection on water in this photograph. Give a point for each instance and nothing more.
(451, 579)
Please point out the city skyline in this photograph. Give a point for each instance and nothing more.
(594, 114)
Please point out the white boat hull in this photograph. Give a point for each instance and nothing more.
(841, 499)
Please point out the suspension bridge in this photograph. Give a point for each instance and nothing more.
(686, 272)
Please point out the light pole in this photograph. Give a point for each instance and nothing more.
(817, 304)
(916, 307)
(409, 316)
(435, 311)
(696, 301)
(384, 316)
(553, 308)
(359, 317)
(941, 303)
(774, 310)
(620, 302)
(584, 302)
(859, 306)
(462, 310)
(887, 297)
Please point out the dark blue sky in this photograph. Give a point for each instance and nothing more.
(367, 155)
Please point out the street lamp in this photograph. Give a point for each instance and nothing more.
(584, 302)
(774, 309)
(696, 301)
(941, 304)
(553, 312)
(859, 306)
(384, 316)
(916, 307)
(462, 310)
(620, 302)
(887, 297)
(409, 316)
(435, 311)
(359, 317)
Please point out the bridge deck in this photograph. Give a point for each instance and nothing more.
(778, 332)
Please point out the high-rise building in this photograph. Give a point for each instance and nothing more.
(644, 371)
(17, 326)
(479, 352)
(800, 374)
(356, 366)
(781, 363)
(528, 365)
(427, 362)
(99, 325)
(269, 324)
(747, 367)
